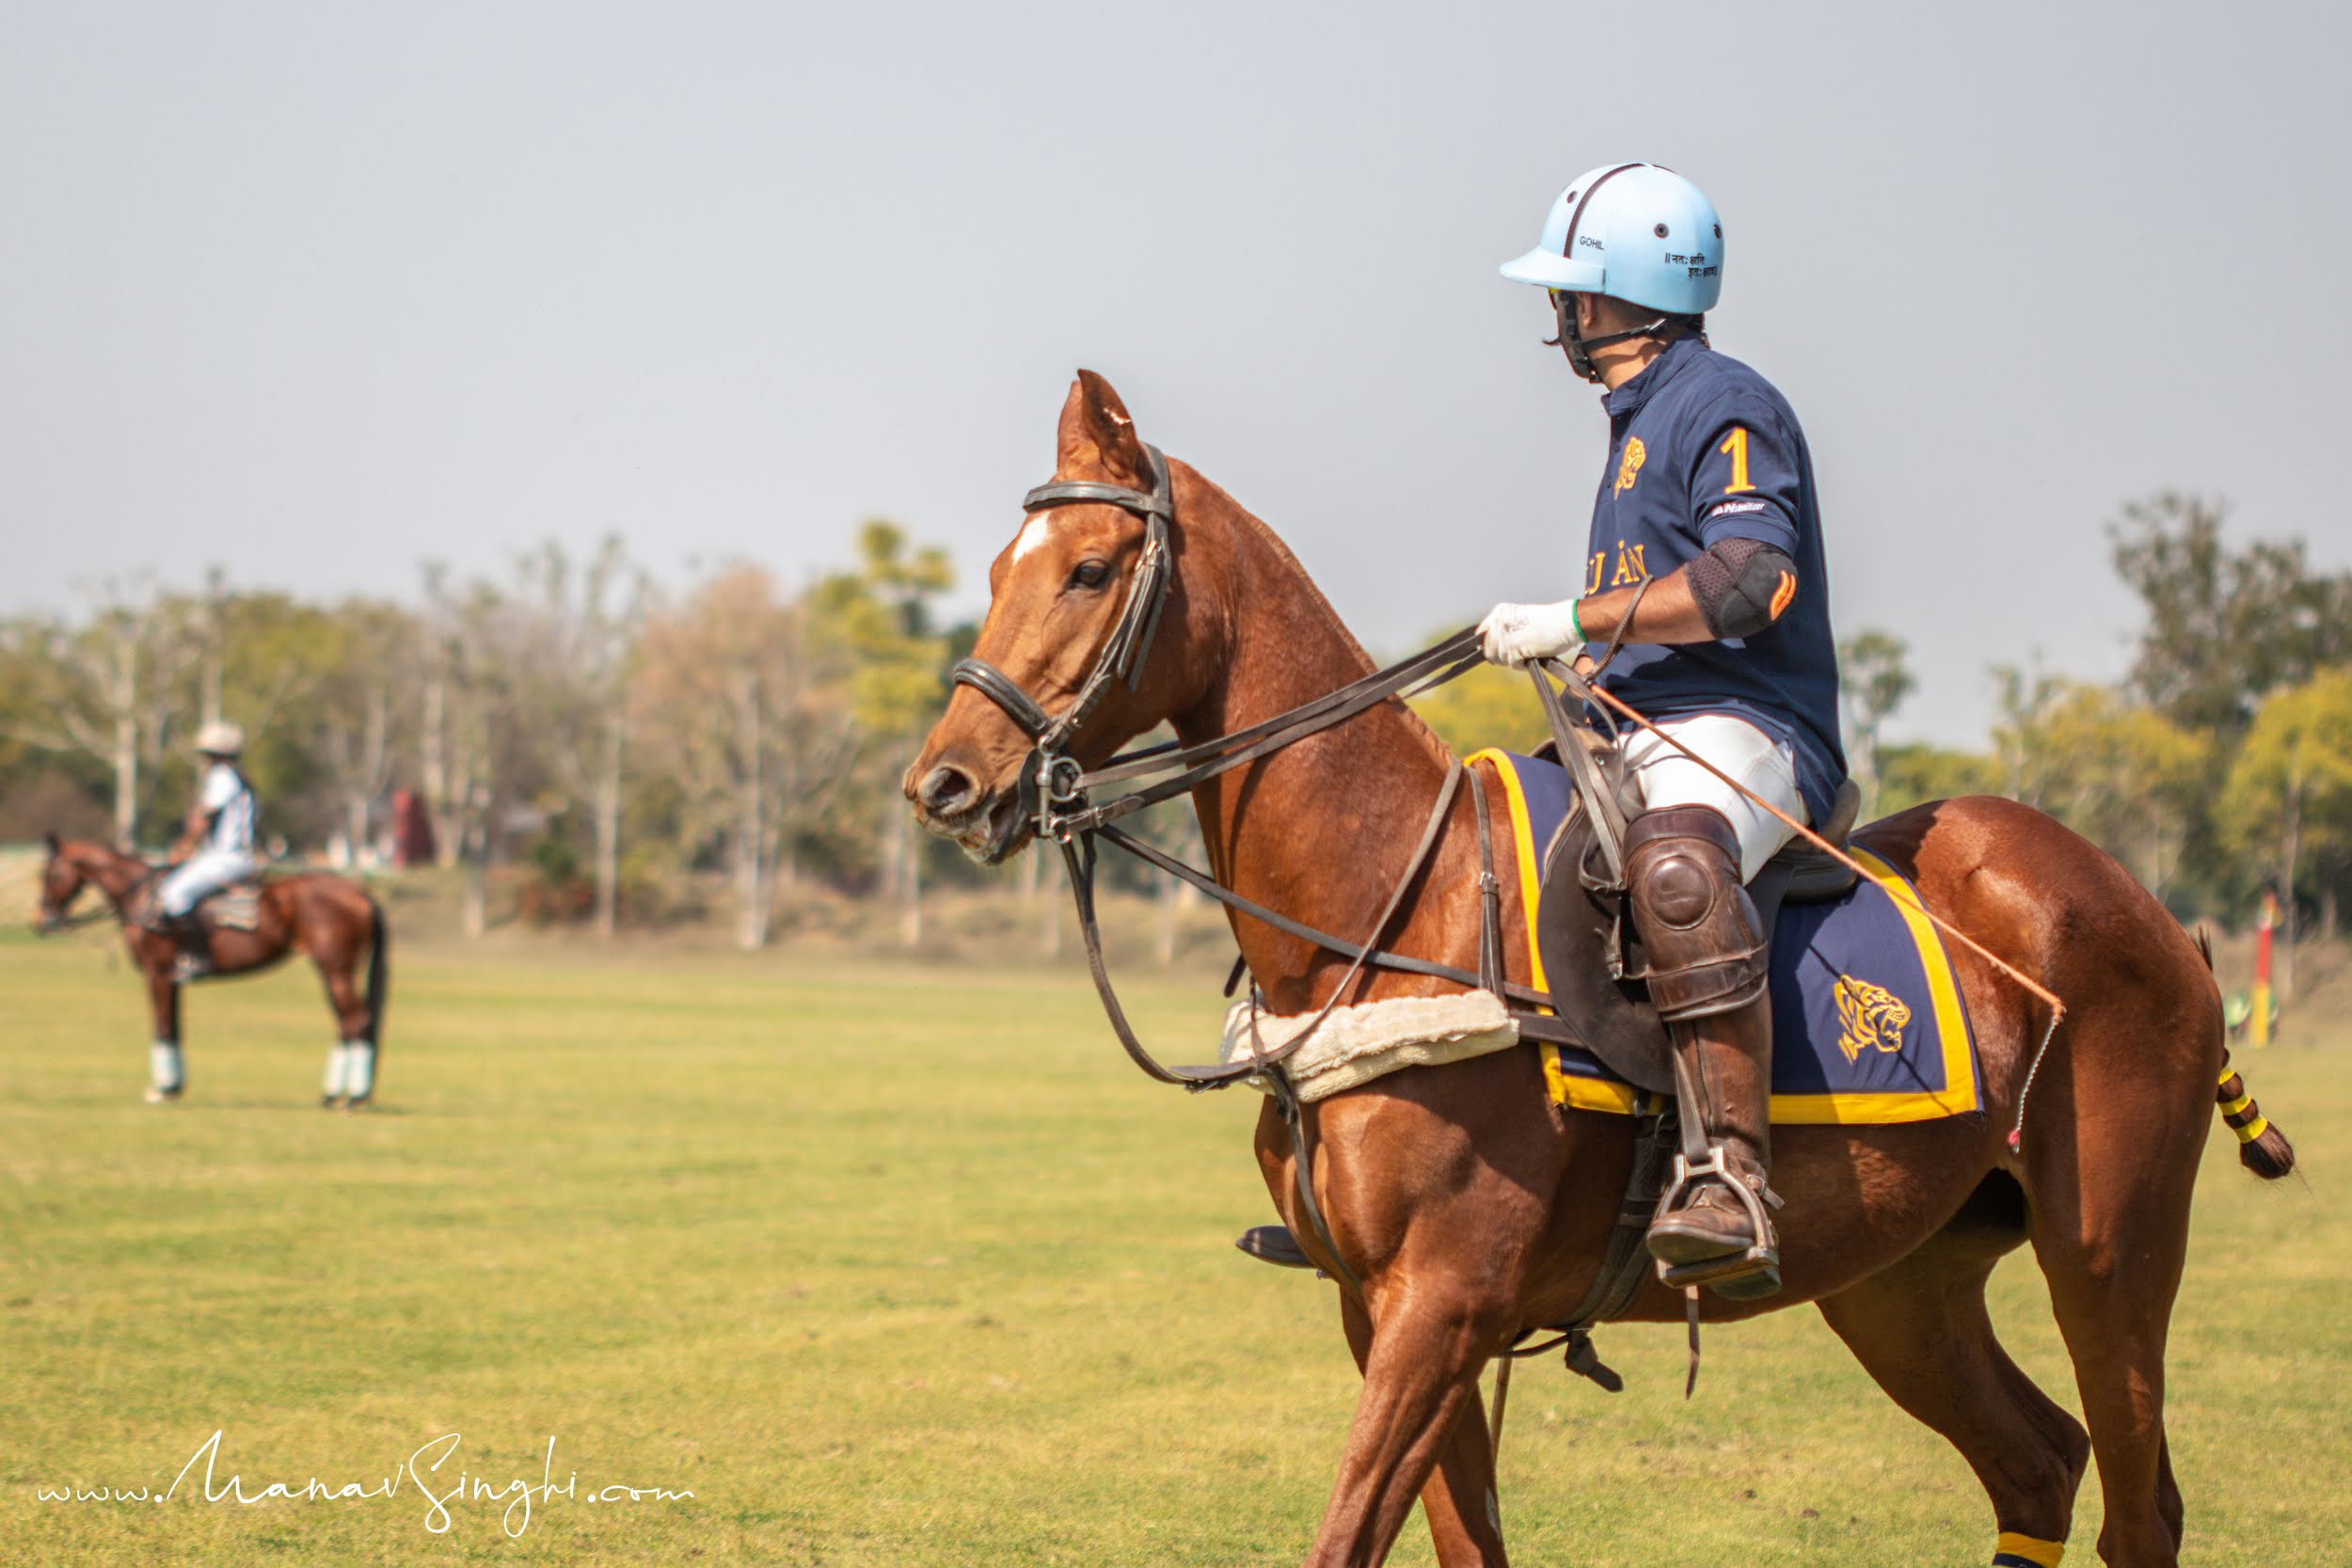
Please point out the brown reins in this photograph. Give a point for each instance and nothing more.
(112, 907)
(1056, 791)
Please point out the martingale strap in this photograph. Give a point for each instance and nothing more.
(1054, 786)
(1400, 963)
(1079, 857)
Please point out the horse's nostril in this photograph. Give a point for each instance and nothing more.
(945, 790)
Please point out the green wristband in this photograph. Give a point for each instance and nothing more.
(1576, 621)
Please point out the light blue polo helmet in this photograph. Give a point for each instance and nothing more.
(1633, 232)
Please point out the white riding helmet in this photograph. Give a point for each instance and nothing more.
(1633, 232)
(220, 738)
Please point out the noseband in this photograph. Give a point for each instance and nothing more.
(1050, 775)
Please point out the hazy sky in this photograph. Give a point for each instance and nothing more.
(320, 292)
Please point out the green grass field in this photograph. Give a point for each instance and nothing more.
(894, 1267)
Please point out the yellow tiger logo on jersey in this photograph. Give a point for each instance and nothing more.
(1870, 1016)
(1629, 465)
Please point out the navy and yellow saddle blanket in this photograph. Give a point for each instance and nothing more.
(1867, 1021)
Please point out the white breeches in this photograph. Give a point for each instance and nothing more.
(1667, 778)
(205, 871)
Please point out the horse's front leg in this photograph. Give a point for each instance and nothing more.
(1459, 1498)
(1428, 1341)
(1437, 1210)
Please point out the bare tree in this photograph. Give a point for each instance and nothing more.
(105, 687)
(746, 698)
(482, 735)
(360, 723)
(589, 621)
(253, 654)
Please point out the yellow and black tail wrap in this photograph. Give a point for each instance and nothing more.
(2262, 1148)
(2013, 1551)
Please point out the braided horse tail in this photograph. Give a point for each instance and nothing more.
(2261, 1148)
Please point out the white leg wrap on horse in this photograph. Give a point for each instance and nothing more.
(164, 1066)
(359, 1069)
(332, 1085)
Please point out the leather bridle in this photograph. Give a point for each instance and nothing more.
(1050, 774)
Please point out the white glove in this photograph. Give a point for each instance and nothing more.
(1516, 633)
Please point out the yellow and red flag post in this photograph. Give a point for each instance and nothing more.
(2258, 1028)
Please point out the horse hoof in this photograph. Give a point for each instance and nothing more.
(326, 1102)
(162, 1096)
(357, 1102)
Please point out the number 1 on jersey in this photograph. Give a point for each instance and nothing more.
(1737, 445)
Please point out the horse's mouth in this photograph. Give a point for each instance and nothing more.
(990, 833)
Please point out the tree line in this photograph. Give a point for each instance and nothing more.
(2221, 763)
(617, 743)
(602, 735)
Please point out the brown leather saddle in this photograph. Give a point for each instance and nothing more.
(1588, 944)
(234, 908)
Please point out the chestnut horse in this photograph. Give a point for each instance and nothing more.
(325, 916)
(1467, 1208)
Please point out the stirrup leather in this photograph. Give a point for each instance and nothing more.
(1762, 1256)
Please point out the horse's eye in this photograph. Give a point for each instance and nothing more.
(1090, 574)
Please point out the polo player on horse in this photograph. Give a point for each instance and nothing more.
(215, 848)
(1708, 498)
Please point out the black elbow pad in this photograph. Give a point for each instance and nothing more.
(1742, 586)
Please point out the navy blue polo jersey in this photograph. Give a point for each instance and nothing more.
(1702, 448)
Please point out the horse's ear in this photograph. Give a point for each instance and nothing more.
(51, 838)
(1098, 437)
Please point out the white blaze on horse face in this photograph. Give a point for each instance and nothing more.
(1032, 534)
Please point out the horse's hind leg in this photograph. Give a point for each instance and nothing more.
(350, 1060)
(2111, 1229)
(1919, 1328)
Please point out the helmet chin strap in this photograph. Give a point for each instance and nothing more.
(1579, 350)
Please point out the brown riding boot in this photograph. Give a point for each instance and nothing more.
(1707, 972)
(1710, 1236)
(194, 960)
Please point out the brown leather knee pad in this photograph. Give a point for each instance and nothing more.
(1700, 934)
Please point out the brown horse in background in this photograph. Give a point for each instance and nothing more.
(1468, 1208)
(329, 917)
